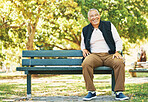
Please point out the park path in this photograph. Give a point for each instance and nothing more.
(67, 99)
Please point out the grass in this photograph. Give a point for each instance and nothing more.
(10, 90)
(138, 92)
(67, 85)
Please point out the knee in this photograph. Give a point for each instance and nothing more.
(119, 62)
(85, 64)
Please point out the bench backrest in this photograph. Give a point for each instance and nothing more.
(55, 57)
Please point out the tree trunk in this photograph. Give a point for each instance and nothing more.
(31, 31)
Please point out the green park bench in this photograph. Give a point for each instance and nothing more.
(139, 67)
(56, 62)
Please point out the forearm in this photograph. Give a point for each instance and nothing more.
(82, 42)
(117, 39)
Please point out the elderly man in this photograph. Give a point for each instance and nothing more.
(101, 45)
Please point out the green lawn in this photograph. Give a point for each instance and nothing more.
(68, 85)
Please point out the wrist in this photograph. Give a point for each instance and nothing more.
(84, 49)
(118, 52)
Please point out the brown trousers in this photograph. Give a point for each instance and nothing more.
(99, 59)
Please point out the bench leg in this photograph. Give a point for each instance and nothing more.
(133, 74)
(28, 85)
(113, 83)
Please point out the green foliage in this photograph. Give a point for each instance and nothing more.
(58, 25)
(62, 26)
(129, 16)
(10, 32)
(19, 36)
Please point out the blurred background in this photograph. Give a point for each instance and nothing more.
(57, 25)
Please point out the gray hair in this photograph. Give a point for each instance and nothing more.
(93, 9)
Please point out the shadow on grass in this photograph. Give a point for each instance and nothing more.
(8, 91)
(24, 76)
(137, 92)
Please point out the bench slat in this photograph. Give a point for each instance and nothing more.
(67, 72)
(54, 62)
(57, 68)
(63, 70)
(52, 53)
(138, 70)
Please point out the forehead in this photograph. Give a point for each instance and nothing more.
(93, 12)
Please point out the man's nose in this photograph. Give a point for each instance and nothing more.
(93, 17)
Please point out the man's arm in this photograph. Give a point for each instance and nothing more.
(116, 37)
(118, 42)
(85, 51)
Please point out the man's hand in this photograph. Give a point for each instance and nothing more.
(117, 55)
(85, 52)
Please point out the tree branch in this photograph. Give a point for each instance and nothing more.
(46, 44)
(76, 39)
(5, 25)
(72, 41)
(16, 26)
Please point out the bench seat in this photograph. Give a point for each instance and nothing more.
(138, 70)
(63, 70)
(139, 67)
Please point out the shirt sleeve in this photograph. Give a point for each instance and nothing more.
(82, 42)
(117, 39)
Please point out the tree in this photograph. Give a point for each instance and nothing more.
(7, 23)
(8, 39)
(129, 16)
(34, 13)
(62, 26)
(30, 10)
(29, 23)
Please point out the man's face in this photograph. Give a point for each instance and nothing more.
(94, 18)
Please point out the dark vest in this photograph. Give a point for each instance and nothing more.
(105, 28)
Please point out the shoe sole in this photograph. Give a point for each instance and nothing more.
(88, 99)
(121, 99)
(94, 97)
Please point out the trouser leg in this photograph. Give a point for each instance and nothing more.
(119, 71)
(90, 62)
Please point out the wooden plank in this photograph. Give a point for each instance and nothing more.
(138, 70)
(63, 70)
(52, 53)
(69, 72)
(58, 68)
(54, 62)
(47, 68)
